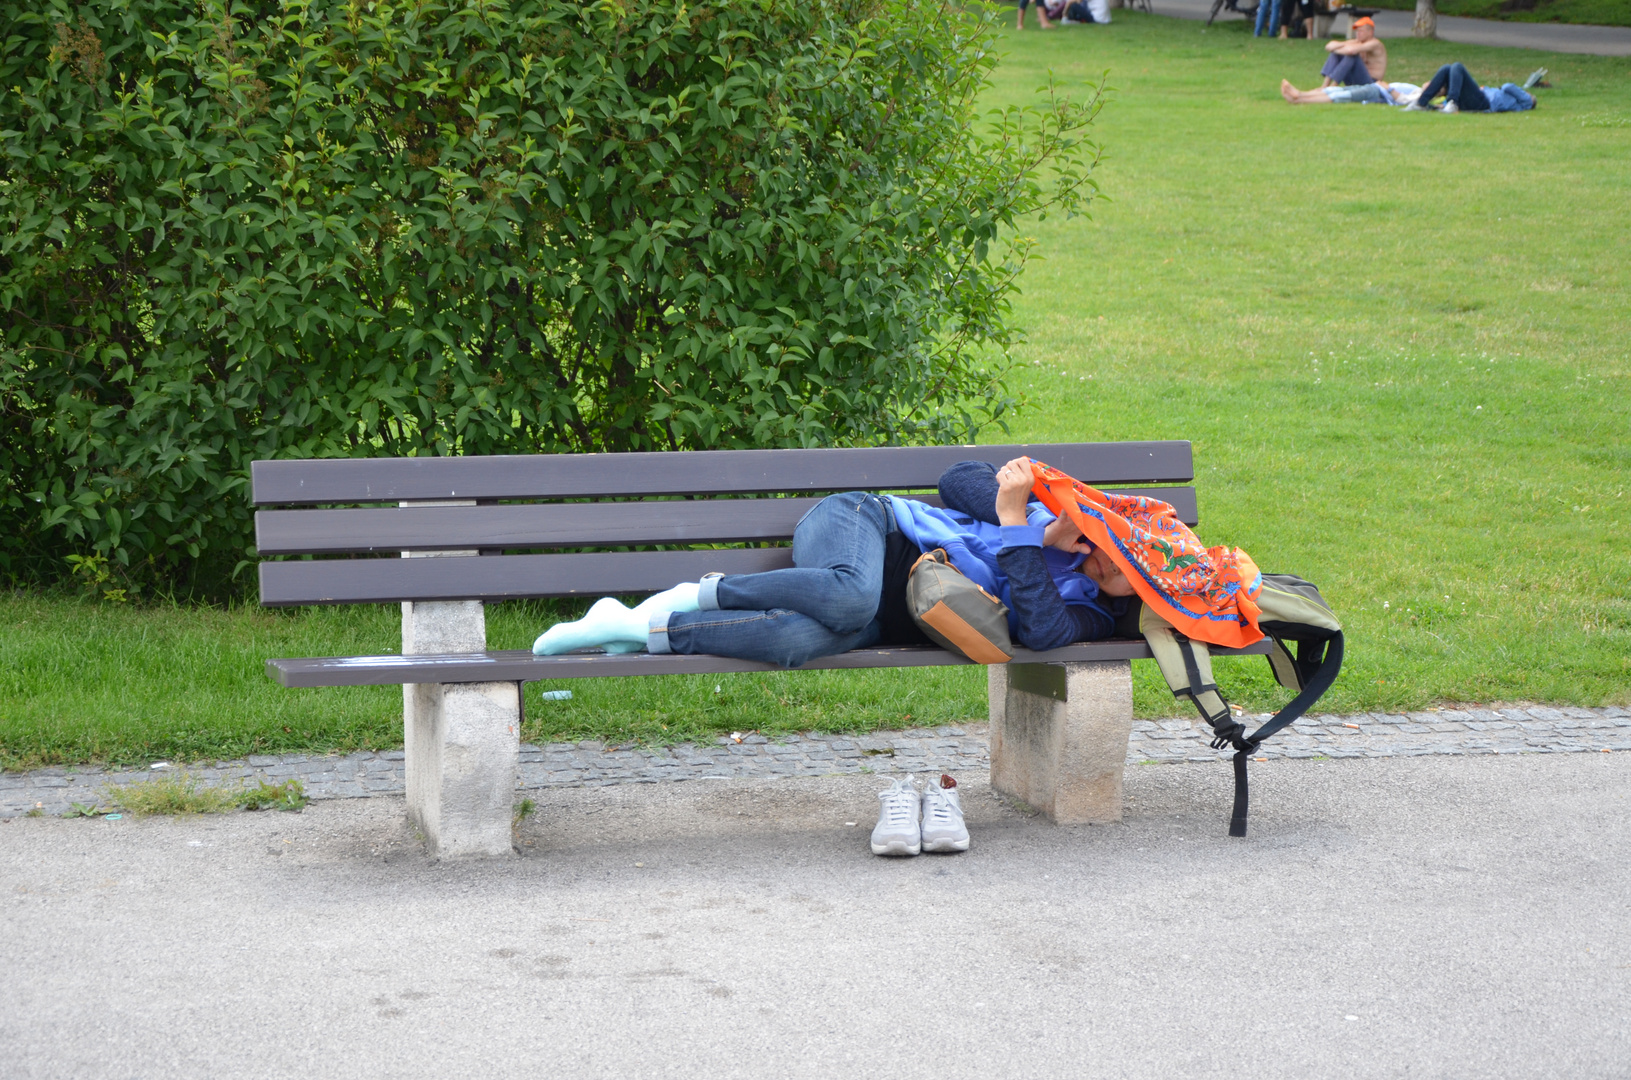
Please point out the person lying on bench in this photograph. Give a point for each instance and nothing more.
(846, 590)
(847, 587)
(1370, 94)
(1358, 61)
(1463, 94)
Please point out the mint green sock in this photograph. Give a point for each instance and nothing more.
(682, 597)
(606, 624)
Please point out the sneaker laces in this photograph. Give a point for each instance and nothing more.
(895, 798)
(940, 804)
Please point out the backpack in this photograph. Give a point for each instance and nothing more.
(1291, 612)
(1191, 594)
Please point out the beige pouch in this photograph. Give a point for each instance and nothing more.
(956, 613)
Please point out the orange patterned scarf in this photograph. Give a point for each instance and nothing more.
(1206, 593)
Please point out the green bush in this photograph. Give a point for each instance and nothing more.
(314, 228)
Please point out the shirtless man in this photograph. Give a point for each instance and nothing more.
(1356, 62)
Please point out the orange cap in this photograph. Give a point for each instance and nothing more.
(1365, 20)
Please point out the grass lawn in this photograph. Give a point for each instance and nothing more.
(1398, 341)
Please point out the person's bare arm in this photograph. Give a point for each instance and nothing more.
(1346, 48)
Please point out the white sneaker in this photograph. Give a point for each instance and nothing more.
(943, 828)
(897, 831)
(1451, 107)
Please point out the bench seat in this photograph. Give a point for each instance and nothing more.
(520, 665)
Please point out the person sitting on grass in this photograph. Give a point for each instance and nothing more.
(1463, 94)
(1086, 12)
(1041, 13)
(1360, 60)
(846, 590)
(1370, 94)
(1068, 12)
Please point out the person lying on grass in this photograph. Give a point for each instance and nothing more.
(1360, 60)
(1370, 94)
(1463, 94)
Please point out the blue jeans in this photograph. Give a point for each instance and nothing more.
(1264, 12)
(826, 604)
(1346, 70)
(1458, 86)
(1369, 94)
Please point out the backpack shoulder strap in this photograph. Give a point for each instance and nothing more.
(1187, 667)
(1314, 687)
(1246, 745)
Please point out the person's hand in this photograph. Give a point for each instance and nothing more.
(1063, 534)
(1013, 491)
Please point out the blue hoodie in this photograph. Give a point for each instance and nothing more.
(1508, 97)
(973, 546)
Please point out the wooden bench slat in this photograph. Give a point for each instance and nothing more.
(702, 472)
(442, 528)
(519, 665)
(502, 577)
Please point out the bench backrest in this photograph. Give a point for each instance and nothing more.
(494, 505)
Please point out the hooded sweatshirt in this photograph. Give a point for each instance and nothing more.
(1050, 602)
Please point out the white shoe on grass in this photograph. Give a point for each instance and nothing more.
(898, 831)
(1450, 107)
(943, 828)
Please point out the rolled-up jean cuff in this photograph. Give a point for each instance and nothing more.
(708, 593)
(657, 633)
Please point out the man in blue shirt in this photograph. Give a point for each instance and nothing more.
(1463, 94)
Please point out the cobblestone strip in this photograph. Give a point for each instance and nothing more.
(1509, 730)
(1513, 730)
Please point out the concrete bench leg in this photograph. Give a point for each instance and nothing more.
(1059, 736)
(462, 740)
(462, 743)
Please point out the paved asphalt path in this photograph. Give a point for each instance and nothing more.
(1405, 917)
(1551, 37)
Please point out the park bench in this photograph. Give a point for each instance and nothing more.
(445, 535)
